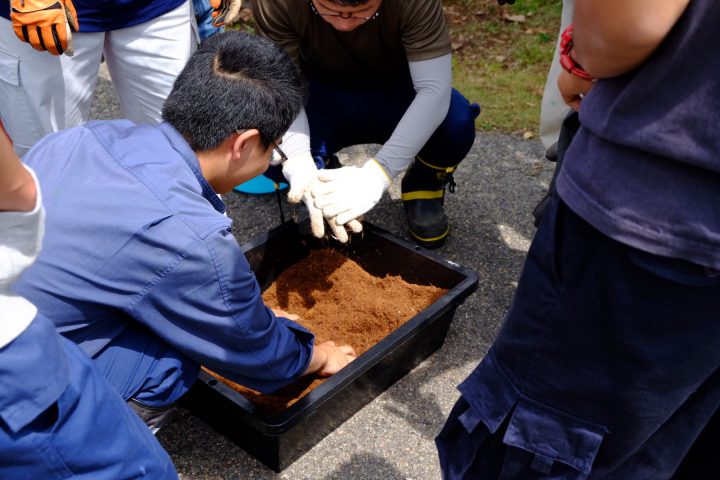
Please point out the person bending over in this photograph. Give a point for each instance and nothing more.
(140, 267)
(380, 71)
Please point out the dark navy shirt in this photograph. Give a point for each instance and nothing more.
(107, 15)
(134, 233)
(644, 168)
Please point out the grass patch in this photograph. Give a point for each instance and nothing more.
(501, 58)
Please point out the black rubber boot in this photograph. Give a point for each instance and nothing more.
(423, 192)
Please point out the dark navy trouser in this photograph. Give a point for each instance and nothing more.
(341, 117)
(605, 367)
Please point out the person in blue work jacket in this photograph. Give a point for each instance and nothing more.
(59, 417)
(140, 267)
(608, 364)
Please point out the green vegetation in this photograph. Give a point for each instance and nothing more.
(501, 58)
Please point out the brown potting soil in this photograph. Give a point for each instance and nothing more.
(337, 300)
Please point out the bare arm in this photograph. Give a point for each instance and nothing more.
(17, 187)
(327, 358)
(612, 37)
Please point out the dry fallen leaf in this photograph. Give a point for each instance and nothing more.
(245, 15)
(528, 135)
(458, 43)
(514, 18)
(535, 169)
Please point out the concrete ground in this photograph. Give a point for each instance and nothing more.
(498, 184)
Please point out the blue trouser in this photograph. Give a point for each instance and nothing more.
(87, 431)
(341, 117)
(605, 367)
(144, 368)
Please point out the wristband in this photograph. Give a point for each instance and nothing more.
(566, 61)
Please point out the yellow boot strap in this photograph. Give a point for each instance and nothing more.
(443, 169)
(423, 195)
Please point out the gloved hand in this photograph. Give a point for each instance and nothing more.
(340, 231)
(346, 193)
(301, 173)
(45, 24)
(506, 2)
(225, 12)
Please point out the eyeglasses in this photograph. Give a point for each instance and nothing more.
(274, 160)
(343, 15)
(281, 157)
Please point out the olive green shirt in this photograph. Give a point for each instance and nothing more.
(378, 51)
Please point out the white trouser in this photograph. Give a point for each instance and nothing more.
(554, 109)
(41, 93)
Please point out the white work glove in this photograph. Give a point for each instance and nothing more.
(301, 172)
(346, 193)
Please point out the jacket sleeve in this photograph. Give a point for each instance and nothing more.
(209, 307)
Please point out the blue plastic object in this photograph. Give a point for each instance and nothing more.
(260, 185)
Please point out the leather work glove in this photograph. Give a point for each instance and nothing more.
(45, 24)
(301, 172)
(346, 193)
(225, 12)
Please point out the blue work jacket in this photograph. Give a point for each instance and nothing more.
(134, 233)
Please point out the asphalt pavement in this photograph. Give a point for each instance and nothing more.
(392, 438)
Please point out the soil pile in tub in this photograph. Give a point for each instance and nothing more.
(337, 300)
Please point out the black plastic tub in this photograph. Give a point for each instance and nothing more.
(278, 440)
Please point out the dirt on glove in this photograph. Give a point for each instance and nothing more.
(337, 300)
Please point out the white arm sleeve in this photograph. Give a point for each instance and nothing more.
(432, 80)
(297, 139)
(21, 236)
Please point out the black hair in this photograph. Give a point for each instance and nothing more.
(235, 81)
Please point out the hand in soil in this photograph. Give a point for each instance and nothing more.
(330, 358)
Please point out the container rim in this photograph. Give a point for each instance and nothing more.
(276, 424)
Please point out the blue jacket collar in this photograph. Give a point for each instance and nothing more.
(181, 146)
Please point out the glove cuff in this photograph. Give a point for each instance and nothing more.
(377, 171)
(297, 165)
